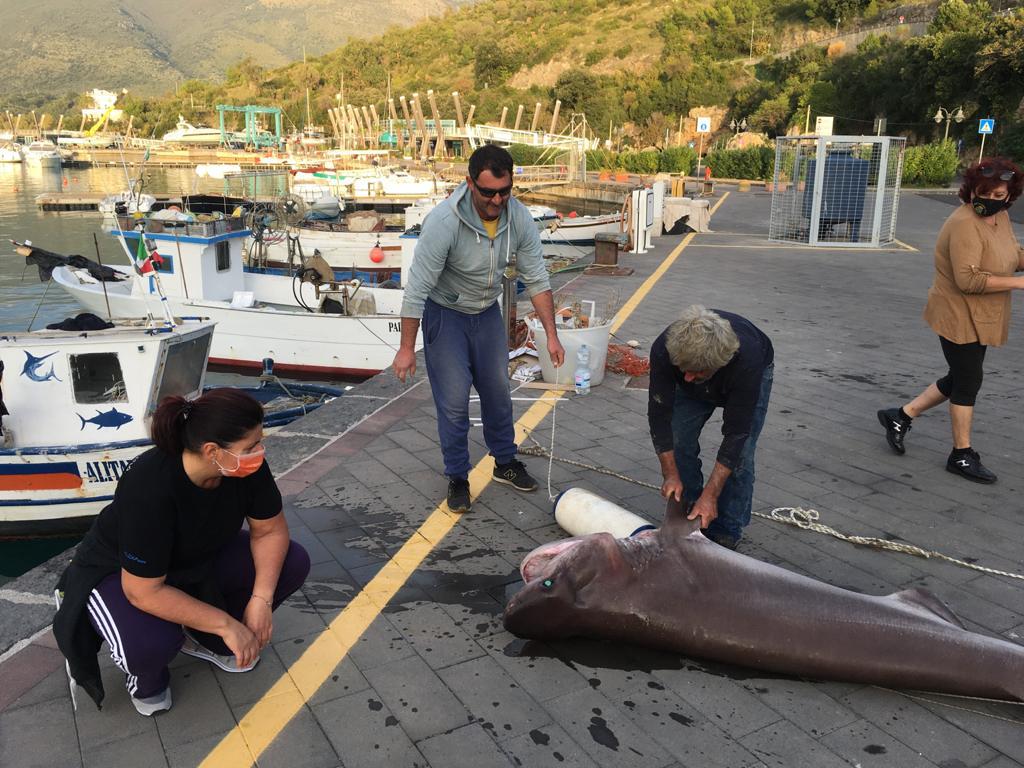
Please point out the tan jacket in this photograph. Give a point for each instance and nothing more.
(967, 253)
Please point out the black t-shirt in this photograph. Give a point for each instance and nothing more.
(160, 523)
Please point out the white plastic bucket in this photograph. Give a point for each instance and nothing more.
(596, 339)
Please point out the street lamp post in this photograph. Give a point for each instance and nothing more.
(947, 115)
(738, 125)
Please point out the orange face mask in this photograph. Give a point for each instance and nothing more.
(247, 463)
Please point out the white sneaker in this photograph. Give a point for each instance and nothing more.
(193, 647)
(153, 704)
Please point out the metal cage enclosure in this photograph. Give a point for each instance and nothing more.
(836, 190)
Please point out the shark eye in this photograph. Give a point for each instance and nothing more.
(548, 583)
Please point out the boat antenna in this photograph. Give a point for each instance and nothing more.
(103, 282)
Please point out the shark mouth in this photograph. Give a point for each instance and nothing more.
(537, 562)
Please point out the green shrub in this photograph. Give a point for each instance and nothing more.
(524, 154)
(751, 163)
(930, 165)
(593, 57)
(624, 51)
(678, 160)
(1011, 143)
(639, 162)
(602, 160)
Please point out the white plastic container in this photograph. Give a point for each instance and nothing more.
(580, 513)
(596, 339)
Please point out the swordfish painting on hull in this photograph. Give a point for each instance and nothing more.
(32, 365)
(675, 590)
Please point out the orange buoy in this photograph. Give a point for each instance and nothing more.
(65, 181)
(573, 214)
(377, 254)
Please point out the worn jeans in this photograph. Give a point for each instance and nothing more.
(734, 504)
(463, 350)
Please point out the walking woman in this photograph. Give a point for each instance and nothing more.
(968, 306)
(166, 566)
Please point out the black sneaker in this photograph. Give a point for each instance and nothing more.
(722, 539)
(896, 428)
(969, 465)
(514, 473)
(458, 495)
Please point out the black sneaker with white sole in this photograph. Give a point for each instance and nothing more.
(458, 494)
(514, 473)
(969, 465)
(896, 428)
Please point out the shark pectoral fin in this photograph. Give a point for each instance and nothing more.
(922, 598)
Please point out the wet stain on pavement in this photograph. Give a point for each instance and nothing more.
(540, 738)
(602, 734)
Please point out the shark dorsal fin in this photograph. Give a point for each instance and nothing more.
(676, 517)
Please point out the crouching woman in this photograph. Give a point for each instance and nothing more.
(167, 566)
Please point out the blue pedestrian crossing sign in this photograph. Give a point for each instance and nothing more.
(986, 125)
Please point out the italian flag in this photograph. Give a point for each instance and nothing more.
(145, 261)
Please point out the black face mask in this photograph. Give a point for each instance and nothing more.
(986, 206)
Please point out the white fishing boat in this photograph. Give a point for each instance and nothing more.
(87, 141)
(309, 322)
(75, 410)
(10, 152)
(356, 244)
(363, 244)
(573, 236)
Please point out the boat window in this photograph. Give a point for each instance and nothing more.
(183, 369)
(97, 378)
(223, 256)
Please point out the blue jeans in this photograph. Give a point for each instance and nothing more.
(688, 419)
(462, 350)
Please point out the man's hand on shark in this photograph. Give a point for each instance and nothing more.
(706, 508)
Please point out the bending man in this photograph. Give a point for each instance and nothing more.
(705, 360)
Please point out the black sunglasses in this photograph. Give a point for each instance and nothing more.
(988, 172)
(489, 193)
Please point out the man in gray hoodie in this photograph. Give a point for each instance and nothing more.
(453, 286)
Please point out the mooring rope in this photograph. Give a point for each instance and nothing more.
(807, 519)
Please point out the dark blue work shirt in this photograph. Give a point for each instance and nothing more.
(735, 388)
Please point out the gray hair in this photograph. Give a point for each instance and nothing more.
(700, 340)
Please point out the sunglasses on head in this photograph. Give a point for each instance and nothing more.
(988, 172)
(489, 193)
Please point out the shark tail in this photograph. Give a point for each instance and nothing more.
(83, 421)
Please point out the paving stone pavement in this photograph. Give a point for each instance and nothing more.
(436, 681)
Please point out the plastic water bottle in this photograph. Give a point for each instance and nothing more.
(581, 378)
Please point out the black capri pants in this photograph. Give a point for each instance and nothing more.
(962, 383)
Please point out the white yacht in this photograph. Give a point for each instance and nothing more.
(186, 133)
(42, 152)
(10, 152)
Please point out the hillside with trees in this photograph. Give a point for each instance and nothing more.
(640, 65)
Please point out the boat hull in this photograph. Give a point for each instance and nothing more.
(59, 490)
(300, 342)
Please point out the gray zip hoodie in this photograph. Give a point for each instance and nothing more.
(458, 266)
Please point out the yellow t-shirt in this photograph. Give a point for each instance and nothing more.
(491, 227)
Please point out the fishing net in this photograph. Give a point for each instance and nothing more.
(623, 360)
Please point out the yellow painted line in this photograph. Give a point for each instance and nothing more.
(242, 746)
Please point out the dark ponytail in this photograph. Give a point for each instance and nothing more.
(220, 416)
